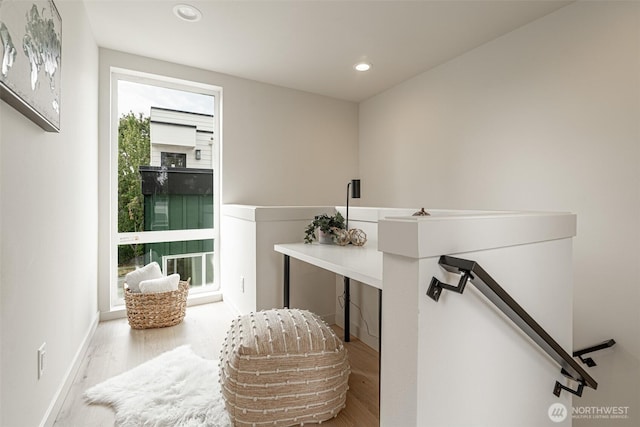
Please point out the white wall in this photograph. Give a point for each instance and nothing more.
(286, 147)
(48, 249)
(248, 236)
(543, 118)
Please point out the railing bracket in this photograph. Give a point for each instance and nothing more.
(589, 361)
(436, 286)
(559, 387)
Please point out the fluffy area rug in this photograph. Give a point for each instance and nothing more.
(177, 388)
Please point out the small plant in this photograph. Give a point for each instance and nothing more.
(327, 224)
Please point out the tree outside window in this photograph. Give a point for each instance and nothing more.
(133, 151)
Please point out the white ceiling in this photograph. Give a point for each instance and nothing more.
(311, 45)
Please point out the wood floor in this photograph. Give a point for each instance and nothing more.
(116, 348)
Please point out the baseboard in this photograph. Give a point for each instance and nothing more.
(231, 305)
(329, 319)
(60, 395)
(360, 333)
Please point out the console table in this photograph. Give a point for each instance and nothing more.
(361, 263)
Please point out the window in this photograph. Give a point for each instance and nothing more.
(163, 210)
(173, 160)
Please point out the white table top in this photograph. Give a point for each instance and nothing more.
(361, 263)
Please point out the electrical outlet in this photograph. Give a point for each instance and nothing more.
(42, 351)
(242, 284)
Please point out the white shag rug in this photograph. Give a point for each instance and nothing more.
(177, 388)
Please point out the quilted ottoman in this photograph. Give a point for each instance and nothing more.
(283, 367)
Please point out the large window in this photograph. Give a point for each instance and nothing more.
(165, 179)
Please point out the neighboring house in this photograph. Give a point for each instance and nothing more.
(180, 139)
(178, 191)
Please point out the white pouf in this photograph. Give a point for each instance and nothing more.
(283, 367)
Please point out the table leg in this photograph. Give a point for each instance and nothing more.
(287, 271)
(347, 304)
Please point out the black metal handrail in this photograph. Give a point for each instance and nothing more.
(470, 270)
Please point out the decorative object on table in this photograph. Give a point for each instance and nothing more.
(421, 212)
(324, 225)
(283, 367)
(147, 308)
(357, 237)
(31, 39)
(343, 237)
(355, 193)
(177, 388)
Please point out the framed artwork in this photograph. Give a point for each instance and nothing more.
(31, 58)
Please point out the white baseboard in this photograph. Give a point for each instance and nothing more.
(60, 395)
(233, 307)
(360, 333)
(329, 319)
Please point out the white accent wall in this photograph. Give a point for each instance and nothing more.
(49, 236)
(546, 117)
(252, 275)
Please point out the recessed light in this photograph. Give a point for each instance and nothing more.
(187, 12)
(362, 66)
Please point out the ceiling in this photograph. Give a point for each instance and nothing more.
(311, 45)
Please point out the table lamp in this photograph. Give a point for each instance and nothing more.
(355, 193)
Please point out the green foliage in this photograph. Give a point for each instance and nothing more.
(326, 223)
(134, 150)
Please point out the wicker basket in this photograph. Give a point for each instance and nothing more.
(157, 310)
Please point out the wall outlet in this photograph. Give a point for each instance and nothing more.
(242, 284)
(42, 351)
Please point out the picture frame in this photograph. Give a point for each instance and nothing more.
(31, 60)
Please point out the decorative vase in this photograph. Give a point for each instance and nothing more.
(324, 238)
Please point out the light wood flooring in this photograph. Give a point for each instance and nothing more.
(116, 348)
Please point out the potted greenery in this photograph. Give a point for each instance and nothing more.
(325, 226)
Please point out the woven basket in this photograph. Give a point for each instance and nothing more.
(157, 310)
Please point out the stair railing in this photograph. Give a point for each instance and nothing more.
(471, 271)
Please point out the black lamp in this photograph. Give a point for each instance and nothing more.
(355, 193)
